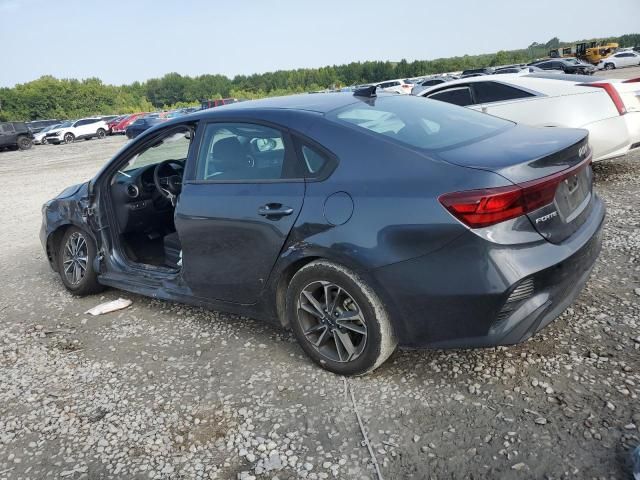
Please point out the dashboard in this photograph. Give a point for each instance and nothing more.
(138, 205)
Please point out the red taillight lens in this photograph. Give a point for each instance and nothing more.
(632, 80)
(612, 92)
(482, 208)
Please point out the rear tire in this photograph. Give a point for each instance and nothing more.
(101, 133)
(76, 254)
(338, 320)
(69, 138)
(24, 143)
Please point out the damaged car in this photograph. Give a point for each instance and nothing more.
(362, 222)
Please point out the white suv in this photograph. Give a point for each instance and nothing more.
(397, 86)
(72, 130)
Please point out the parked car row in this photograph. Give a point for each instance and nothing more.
(23, 135)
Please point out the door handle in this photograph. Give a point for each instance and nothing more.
(274, 210)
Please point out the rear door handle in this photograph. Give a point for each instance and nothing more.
(274, 210)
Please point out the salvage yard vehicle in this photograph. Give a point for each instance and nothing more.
(430, 82)
(15, 135)
(40, 138)
(36, 126)
(396, 86)
(620, 60)
(360, 221)
(608, 108)
(475, 72)
(70, 131)
(142, 124)
(566, 65)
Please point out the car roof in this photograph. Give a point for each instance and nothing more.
(311, 102)
(550, 84)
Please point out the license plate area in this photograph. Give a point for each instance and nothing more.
(573, 195)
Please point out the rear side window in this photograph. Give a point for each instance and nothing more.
(458, 96)
(487, 92)
(418, 122)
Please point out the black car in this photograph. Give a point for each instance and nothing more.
(567, 65)
(475, 72)
(36, 126)
(361, 222)
(142, 124)
(15, 135)
(518, 69)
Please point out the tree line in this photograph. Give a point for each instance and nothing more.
(49, 97)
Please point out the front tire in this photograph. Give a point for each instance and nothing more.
(76, 254)
(609, 66)
(69, 138)
(338, 319)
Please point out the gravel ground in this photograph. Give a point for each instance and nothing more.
(162, 390)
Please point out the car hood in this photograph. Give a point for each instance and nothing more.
(72, 190)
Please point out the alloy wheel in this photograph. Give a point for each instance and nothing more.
(331, 321)
(75, 258)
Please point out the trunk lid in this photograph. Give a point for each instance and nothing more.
(529, 157)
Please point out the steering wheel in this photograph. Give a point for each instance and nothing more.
(169, 186)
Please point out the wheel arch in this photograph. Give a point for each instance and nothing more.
(54, 237)
(290, 266)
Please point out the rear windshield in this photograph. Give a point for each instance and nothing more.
(420, 122)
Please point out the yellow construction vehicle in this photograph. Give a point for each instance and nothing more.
(593, 53)
(566, 52)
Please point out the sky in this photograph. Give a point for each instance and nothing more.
(123, 41)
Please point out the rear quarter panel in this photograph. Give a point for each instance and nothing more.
(396, 214)
(573, 111)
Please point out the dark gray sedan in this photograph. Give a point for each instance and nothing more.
(361, 222)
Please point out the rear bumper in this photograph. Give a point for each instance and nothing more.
(614, 136)
(459, 296)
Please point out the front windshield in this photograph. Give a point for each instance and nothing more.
(65, 124)
(173, 147)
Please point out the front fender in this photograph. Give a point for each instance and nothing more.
(58, 214)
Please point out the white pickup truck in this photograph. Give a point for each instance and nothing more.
(72, 130)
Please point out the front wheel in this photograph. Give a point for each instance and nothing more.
(69, 138)
(76, 254)
(338, 319)
(609, 66)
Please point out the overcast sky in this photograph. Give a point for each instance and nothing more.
(120, 41)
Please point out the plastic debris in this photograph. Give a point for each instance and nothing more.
(108, 307)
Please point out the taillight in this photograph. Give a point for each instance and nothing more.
(485, 207)
(612, 92)
(632, 80)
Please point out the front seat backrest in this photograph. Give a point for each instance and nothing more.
(228, 155)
